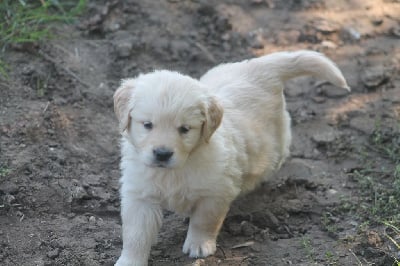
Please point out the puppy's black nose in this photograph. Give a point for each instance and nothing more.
(162, 154)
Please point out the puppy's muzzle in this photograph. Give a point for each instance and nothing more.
(162, 155)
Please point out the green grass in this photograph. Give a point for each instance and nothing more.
(4, 171)
(30, 21)
(378, 194)
(379, 178)
(309, 249)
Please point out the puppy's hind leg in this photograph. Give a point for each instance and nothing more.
(205, 223)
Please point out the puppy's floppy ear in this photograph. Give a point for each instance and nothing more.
(122, 97)
(213, 113)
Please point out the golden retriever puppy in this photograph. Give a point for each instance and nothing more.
(192, 146)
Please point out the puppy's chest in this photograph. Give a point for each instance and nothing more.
(177, 194)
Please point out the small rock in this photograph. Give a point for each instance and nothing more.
(395, 31)
(373, 77)
(256, 42)
(354, 223)
(332, 91)
(92, 219)
(297, 167)
(77, 191)
(247, 228)
(156, 252)
(255, 248)
(92, 180)
(332, 191)
(28, 70)
(10, 199)
(325, 26)
(318, 99)
(328, 44)
(226, 37)
(199, 262)
(326, 136)
(293, 206)
(351, 34)
(363, 124)
(53, 253)
(124, 49)
(376, 21)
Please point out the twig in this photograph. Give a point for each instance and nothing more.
(242, 245)
(222, 250)
(45, 108)
(358, 260)
(206, 52)
(72, 74)
(22, 217)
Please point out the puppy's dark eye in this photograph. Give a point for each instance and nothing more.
(183, 129)
(148, 125)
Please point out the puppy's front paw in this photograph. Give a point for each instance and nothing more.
(199, 247)
(124, 261)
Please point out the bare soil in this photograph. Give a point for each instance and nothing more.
(59, 153)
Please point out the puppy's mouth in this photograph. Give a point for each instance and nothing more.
(157, 164)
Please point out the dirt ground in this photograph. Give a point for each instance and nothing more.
(59, 153)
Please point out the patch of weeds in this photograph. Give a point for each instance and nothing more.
(29, 21)
(340, 147)
(378, 195)
(309, 249)
(331, 259)
(4, 171)
(329, 224)
(392, 232)
(41, 85)
(379, 178)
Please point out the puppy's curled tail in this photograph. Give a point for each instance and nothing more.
(289, 65)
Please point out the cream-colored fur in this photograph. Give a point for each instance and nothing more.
(223, 133)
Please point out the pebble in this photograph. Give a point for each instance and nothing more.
(293, 205)
(318, 99)
(198, 262)
(328, 44)
(376, 21)
(324, 137)
(92, 219)
(247, 228)
(256, 42)
(77, 191)
(297, 167)
(332, 91)
(52, 254)
(373, 77)
(156, 252)
(124, 49)
(10, 199)
(363, 124)
(350, 33)
(326, 26)
(395, 31)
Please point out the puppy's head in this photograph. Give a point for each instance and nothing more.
(166, 115)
